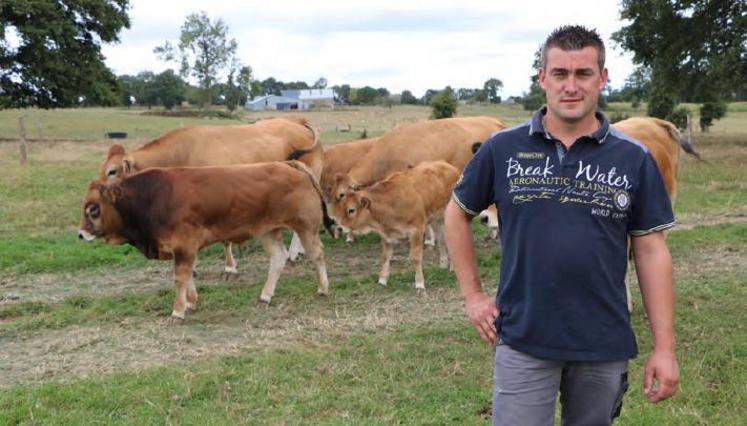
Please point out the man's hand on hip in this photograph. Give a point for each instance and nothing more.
(482, 312)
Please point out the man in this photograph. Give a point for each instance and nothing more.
(570, 191)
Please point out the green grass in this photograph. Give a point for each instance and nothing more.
(365, 354)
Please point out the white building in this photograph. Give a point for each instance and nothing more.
(293, 100)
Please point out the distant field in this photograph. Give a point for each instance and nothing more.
(84, 337)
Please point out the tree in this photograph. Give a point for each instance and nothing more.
(321, 83)
(343, 93)
(695, 49)
(366, 95)
(168, 89)
(50, 51)
(408, 98)
(536, 97)
(492, 87)
(204, 51)
(444, 104)
(428, 95)
(244, 81)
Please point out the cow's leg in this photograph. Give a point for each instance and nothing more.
(273, 245)
(431, 237)
(349, 237)
(387, 250)
(295, 248)
(490, 216)
(184, 261)
(416, 256)
(443, 255)
(230, 268)
(313, 245)
(192, 292)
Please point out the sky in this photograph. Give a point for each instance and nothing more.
(399, 45)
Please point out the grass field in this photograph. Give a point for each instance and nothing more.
(84, 336)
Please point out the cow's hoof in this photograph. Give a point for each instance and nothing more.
(265, 299)
(322, 293)
(175, 319)
(191, 309)
(420, 287)
(382, 282)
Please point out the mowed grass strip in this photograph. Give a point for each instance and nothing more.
(435, 374)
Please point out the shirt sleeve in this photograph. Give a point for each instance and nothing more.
(652, 208)
(474, 191)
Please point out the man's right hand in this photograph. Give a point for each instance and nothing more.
(482, 312)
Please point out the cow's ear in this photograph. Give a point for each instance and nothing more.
(128, 165)
(365, 202)
(115, 149)
(110, 194)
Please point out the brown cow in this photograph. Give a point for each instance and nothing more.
(170, 213)
(450, 139)
(401, 206)
(275, 139)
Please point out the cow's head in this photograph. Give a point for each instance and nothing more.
(100, 218)
(342, 185)
(117, 165)
(355, 210)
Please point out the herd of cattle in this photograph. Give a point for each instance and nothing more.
(199, 185)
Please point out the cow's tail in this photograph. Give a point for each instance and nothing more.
(316, 146)
(686, 144)
(328, 222)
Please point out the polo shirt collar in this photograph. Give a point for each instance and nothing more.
(599, 136)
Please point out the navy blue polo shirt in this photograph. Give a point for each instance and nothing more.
(565, 216)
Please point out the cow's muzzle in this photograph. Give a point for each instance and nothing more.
(85, 236)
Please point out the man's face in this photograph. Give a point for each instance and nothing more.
(572, 81)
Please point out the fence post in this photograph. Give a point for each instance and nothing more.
(22, 136)
(39, 133)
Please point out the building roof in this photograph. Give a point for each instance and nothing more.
(309, 94)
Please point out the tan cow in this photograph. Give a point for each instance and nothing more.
(274, 139)
(401, 206)
(339, 159)
(452, 140)
(661, 138)
(171, 213)
(664, 142)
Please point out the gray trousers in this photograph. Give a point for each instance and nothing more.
(525, 390)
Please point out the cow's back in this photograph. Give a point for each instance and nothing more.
(266, 140)
(659, 136)
(450, 140)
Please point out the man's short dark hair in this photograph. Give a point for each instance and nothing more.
(573, 37)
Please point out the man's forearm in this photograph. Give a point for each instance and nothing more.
(654, 268)
(461, 246)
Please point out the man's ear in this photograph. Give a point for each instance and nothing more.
(364, 202)
(115, 149)
(128, 165)
(110, 193)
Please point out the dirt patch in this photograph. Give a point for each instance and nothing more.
(78, 352)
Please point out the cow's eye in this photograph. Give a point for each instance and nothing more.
(351, 211)
(340, 196)
(111, 172)
(94, 211)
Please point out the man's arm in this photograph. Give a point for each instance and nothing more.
(654, 268)
(480, 307)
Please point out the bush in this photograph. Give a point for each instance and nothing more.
(660, 105)
(678, 117)
(617, 116)
(710, 111)
(444, 104)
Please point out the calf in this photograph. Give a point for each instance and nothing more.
(401, 206)
(170, 213)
